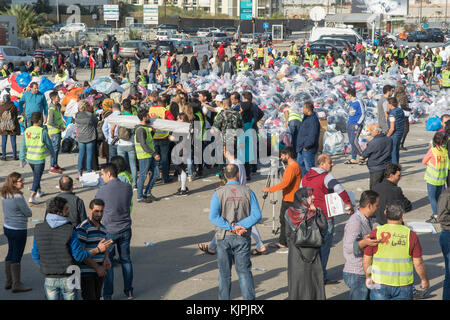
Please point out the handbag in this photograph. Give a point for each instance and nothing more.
(307, 234)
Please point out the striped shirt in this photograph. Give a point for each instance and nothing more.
(39, 53)
(89, 236)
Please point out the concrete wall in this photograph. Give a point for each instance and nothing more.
(10, 23)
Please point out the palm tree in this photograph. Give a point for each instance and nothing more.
(27, 20)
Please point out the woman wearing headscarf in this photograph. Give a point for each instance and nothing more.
(305, 274)
(403, 101)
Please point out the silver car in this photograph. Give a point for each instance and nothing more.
(13, 56)
(219, 38)
(127, 48)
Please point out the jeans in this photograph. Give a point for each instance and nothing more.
(88, 149)
(146, 165)
(129, 154)
(57, 288)
(384, 292)
(194, 72)
(112, 152)
(444, 241)
(162, 148)
(122, 241)
(13, 145)
(396, 139)
(151, 78)
(294, 128)
(357, 285)
(38, 170)
(433, 195)
(204, 73)
(306, 160)
(405, 132)
(234, 248)
(353, 135)
(255, 235)
(326, 247)
(17, 240)
(56, 143)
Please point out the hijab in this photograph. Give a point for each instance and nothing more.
(301, 207)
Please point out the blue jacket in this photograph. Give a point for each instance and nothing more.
(250, 221)
(357, 112)
(308, 135)
(33, 103)
(378, 152)
(398, 115)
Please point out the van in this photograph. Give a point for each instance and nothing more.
(342, 33)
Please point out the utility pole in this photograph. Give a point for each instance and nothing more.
(446, 6)
(420, 13)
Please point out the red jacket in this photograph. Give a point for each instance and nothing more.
(323, 183)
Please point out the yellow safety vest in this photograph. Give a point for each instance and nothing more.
(337, 70)
(291, 59)
(202, 124)
(34, 74)
(142, 81)
(260, 52)
(244, 67)
(158, 112)
(61, 79)
(437, 175)
(34, 144)
(129, 179)
(438, 62)
(58, 120)
(293, 115)
(4, 74)
(446, 78)
(392, 265)
(140, 153)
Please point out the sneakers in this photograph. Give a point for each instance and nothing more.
(59, 168)
(432, 220)
(3, 158)
(190, 179)
(145, 200)
(40, 194)
(54, 170)
(135, 188)
(33, 201)
(151, 197)
(420, 294)
(129, 296)
(182, 192)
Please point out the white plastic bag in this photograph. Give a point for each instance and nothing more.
(333, 142)
(71, 108)
(89, 179)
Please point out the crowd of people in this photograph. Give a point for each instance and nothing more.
(379, 261)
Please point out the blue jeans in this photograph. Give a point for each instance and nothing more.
(306, 160)
(13, 145)
(326, 247)
(433, 195)
(57, 288)
(112, 152)
(444, 241)
(88, 150)
(235, 249)
(151, 78)
(129, 154)
(38, 170)
(204, 73)
(194, 72)
(146, 165)
(162, 148)
(383, 292)
(122, 241)
(353, 135)
(294, 128)
(357, 285)
(56, 143)
(17, 240)
(396, 141)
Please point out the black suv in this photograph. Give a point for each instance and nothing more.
(435, 35)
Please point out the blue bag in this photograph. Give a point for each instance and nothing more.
(46, 85)
(434, 124)
(23, 79)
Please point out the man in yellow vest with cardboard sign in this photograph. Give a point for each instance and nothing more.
(35, 142)
(389, 266)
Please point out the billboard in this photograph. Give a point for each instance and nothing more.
(387, 7)
(111, 12)
(150, 14)
(246, 10)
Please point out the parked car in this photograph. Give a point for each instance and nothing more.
(190, 30)
(178, 37)
(436, 35)
(164, 35)
(249, 37)
(166, 46)
(321, 48)
(185, 46)
(338, 43)
(219, 38)
(14, 57)
(203, 32)
(80, 27)
(126, 49)
(417, 36)
(168, 27)
(213, 29)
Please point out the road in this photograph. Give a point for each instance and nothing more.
(174, 268)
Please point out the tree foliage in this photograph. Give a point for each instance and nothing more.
(27, 20)
(42, 6)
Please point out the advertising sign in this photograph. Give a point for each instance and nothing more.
(246, 10)
(151, 14)
(388, 7)
(111, 12)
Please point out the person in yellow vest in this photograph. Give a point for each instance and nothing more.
(291, 57)
(445, 81)
(307, 57)
(238, 63)
(293, 121)
(4, 72)
(294, 48)
(161, 138)
(260, 54)
(35, 72)
(60, 76)
(389, 266)
(337, 69)
(437, 60)
(141, 79)
(437, 163)
(35, 143)
(244, 65)
(147, 157)
(55, 126)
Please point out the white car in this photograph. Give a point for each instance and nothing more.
(80, 27)
(179, 37)
(163, 35)
(14, 57)
(203, 32)
(213, 29)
